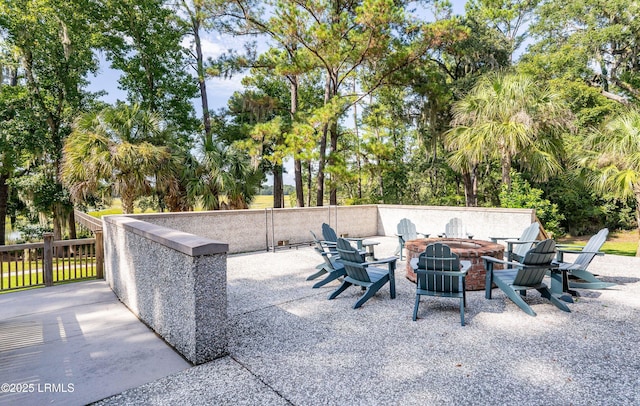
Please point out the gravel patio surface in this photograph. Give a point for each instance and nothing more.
(289, 345)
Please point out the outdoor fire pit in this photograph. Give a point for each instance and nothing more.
(466, 249)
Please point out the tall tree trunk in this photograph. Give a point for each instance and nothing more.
(333, 193)
(333, 131)
(297, 168)
(381, 183)
(470, 181)
(323, 148)
(297, 164)
(4, 200)
(278, 194)
(58, 223)
(72, 226)
(206, 118)
(506, 170)
(216, 200)
(474, 187)
(128, 198)
(321, 163)
(357, 135)
(309, 183)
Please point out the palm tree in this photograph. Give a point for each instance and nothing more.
(616, 158)
(224, 170)
(508, 117)
(172, 181)
(111, 152)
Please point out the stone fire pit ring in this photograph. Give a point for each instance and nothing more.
(466, 249)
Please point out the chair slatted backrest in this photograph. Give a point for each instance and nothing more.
(536, 263)
(317, 242)
(329, 233)
(407, 230)
(455, 229)
(352, 261)
(327, 255)
(438, 257)
(593, 245)
(529, 234)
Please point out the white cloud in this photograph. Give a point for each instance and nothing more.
(219, 90)
(211, 48)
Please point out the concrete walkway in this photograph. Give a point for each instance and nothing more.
(291, 346)
(74, 344)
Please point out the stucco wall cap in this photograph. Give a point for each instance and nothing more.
(186, 243)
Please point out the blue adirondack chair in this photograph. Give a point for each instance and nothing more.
(455, 229)
(406, 231)
(321, 266)
(365, 246)
(517, 248)
(364, 274)
(440, 273)
(329, 266)
(578, 268)
(523, 276)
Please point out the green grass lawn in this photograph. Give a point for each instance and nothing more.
(260, 202)
(31, 274)
(618, 243)
(266, 201)
(115, 208)
(620, 248)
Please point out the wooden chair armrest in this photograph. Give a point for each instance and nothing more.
(382, 261)
(521, 241)
(495, 239)
(569, 246)
(501, 261)
(510, 243)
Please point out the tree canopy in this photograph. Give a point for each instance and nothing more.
(368, 101)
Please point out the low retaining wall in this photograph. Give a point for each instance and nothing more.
(482, 222)
(255, 230)
(173, 281)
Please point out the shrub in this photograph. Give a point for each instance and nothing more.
(522, 195)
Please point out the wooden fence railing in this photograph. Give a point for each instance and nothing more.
(49, 262)
(89, 222)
